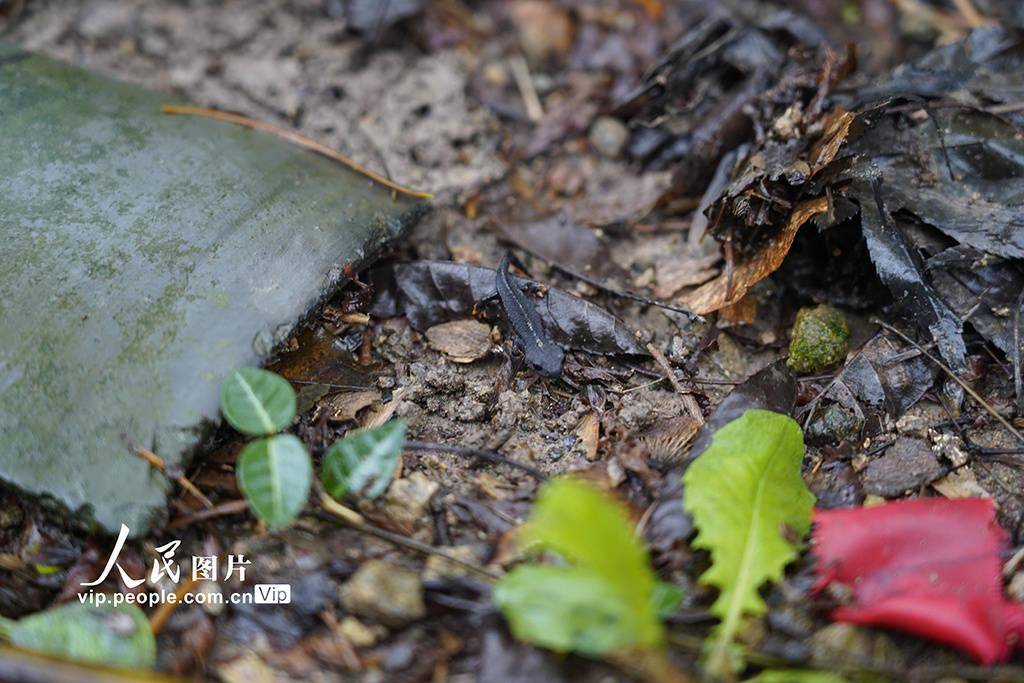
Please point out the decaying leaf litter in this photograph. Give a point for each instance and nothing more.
(729, 165)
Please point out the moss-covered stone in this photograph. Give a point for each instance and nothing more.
(820, 340)
(144, 257)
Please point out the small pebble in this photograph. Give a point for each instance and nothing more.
(608, 136)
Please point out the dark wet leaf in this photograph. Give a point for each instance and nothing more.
(902, 271)
(985, 68)
(981, 286)
(773, 388)
(981, 206)
(883, 376)
(565, 244)
(432, 292)
(101, 634)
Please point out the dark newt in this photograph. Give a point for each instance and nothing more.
(541, 352)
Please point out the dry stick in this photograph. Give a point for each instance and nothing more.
(608, 289)
(1008, 108)
(489, 456)
(158, 463)
(688, 400)
(972, 16)
(291, 136)
(964, 385)
(524, 81)
(356, 521)
(158, 619)
(329, 385)
(231, 507)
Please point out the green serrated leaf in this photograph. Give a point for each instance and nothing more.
(257, 402)
(363, 462)
(99, 634)
(608, 600)
(743, 492)
(275, 475)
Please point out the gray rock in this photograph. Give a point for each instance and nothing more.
(906, 465)
(833, 425)
(407, 499)
(384, 593)
(145, 256)
(608, 136)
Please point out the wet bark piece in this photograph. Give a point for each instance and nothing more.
(143, 257)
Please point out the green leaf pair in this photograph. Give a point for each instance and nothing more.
(99, 634)
(275, 473)
(607, 600)
(743, 492)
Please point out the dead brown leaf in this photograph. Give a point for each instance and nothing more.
(742, 312)
(589, 432)
(766, 260)
(835, 129)
(682, 272)
(344, 407)
(666, 440)
(463, 341)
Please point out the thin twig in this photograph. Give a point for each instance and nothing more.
(479, 453)
(692, 407)
(158, 619)
(231, 507)
(353, 519)
(158, 463)
(964, 385)
(606, 288)
(329, 385)
(1008, 108)
(291, 136)
(524, 81)
(972, 16)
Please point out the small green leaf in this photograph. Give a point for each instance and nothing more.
(98, 634)
(666, 598)
(257, 402)
(275, 475)
(608, 600)
(743, 492)
(363, 462)
(565, 609)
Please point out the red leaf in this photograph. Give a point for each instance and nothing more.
(929, 566)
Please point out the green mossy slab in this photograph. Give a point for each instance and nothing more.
(143, 257)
